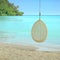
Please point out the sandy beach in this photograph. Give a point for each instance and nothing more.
(15, 52)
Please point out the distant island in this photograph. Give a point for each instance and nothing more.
(9, 9)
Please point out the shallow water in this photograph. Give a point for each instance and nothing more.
(17, 29)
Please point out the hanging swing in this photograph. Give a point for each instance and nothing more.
(39, 31)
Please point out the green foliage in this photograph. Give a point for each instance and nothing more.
(8, 9)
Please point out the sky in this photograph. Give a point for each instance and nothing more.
(50, 7)
(31, 7)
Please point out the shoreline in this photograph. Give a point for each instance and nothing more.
(31, 47)
(19, 52)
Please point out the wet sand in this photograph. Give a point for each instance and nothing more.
(19, 52)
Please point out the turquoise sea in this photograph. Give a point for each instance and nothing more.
(17, 30)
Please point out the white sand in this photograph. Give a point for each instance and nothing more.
(15, 52)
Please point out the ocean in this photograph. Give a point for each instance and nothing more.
(17, 30)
